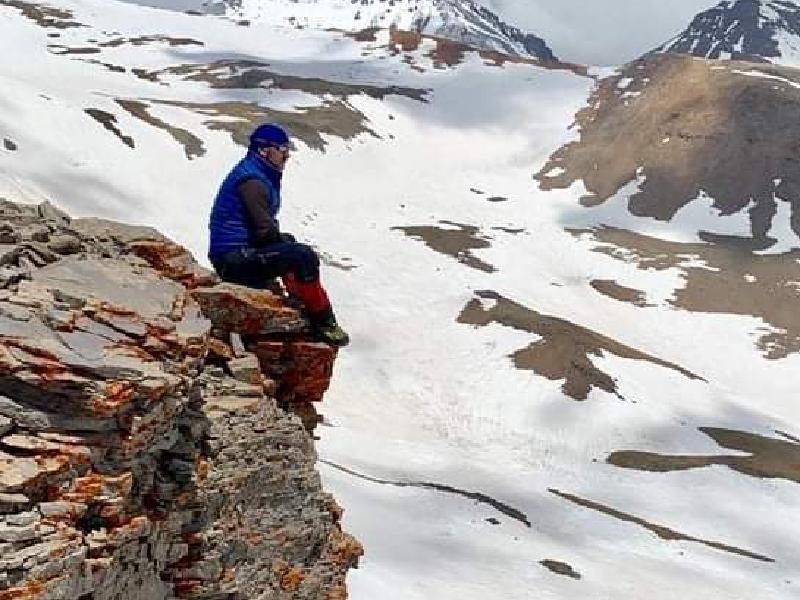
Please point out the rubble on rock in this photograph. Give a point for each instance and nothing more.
(141, 456)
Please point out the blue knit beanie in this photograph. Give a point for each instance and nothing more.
(270, 134)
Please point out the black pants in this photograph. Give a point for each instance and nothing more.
(258, 267)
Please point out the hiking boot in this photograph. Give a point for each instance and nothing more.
(325, 328)
(332, 334)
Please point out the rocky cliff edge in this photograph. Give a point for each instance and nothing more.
(154, 425)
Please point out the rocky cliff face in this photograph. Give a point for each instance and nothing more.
(148, 446)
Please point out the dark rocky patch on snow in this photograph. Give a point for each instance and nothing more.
(192, 145)
(449, 53)
(144, 74)
(510, 230)
(560, 568)
(565, 350)
(151, 39)
(729, 279)
(244, 74)
(364, 35)
(665, 533)
(478, 497)
(764, 457)
(111, 67)
(684, 127)
(65, 50)
(43, 15)
(619, 292)
(10, 144)
(457, 240)
(333, 117)
(109, 122)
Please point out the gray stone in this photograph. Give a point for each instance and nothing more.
(246, 369)
(39, 253)
(237, 345)
(23, 519)
(145, 293)
(48, 211)
(122, 233)
(65, 244)
(6, 425)
(10, 533)
(15, 312)
(33, 418)
(61, 508)
(36, 233)
(12, 503)
(8, 235)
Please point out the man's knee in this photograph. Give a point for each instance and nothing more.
(308, 254)
(308, 262)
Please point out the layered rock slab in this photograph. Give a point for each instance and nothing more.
(130, 467)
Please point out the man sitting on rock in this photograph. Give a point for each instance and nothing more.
(247, 246)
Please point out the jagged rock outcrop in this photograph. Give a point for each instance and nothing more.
(144, 452)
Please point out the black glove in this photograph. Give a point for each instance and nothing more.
(287, 238)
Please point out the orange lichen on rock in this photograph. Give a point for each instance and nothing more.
(128, 459)
(175, 262)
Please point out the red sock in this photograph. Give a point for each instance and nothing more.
(311, 293)
(290, 283)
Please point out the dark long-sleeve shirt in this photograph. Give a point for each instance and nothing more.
(255, 197)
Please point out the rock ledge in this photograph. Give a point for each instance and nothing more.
(154, 425)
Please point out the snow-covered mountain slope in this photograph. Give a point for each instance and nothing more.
(754, 30)
(464, 21)
(533, 405)
(677, 136)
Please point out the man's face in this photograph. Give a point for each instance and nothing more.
(277, 156)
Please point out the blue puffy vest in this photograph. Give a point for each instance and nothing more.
(228, 226)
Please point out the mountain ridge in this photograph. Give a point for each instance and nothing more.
(463, 21)
(751, 30)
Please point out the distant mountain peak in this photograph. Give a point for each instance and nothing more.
(463, 21)
(755, 30)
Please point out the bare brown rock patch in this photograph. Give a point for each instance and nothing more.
(64, 50)
(510, 230)
(449, 53)
(109, 123)
(334, 117)
(565, 350)
(458, 242)
(560, 568)
(47, 17)
(244, 74)
(686, 126)
(192, 145)
(730, 279)
(363, 35)
(151, 39)
(619, 292)
(664, 533)
(767, 458)
(111, 67)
